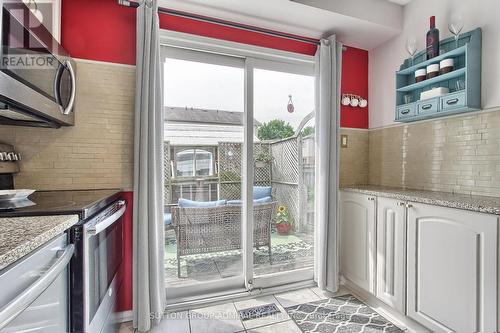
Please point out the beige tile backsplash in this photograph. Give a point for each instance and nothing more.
(354, 158)
(455, 154)
(98, 151)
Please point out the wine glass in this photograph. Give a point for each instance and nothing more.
(456, 25)
(411, 47)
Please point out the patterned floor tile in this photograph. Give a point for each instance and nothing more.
(341, 314)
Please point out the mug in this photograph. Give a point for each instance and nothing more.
(354, 101)
(346, 100)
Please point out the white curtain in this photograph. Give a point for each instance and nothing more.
(328, 71)
(148, 272)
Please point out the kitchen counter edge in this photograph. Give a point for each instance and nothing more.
(24, 242)
(476, 203)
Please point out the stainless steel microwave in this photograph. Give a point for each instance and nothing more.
(37, 76)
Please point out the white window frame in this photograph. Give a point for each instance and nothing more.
(195, 48)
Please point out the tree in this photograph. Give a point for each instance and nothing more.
(307, 131)
(275, 129)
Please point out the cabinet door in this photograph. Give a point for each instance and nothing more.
(391, 252)
(357, 261)
(452, 269)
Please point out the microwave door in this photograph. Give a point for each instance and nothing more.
(36, 74)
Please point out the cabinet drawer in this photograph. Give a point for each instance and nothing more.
(404, 111)
(427, 107)
(451, 102)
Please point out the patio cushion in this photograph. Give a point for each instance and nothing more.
(260, 192)
(167, 218)
(255, 201)
(191, 203)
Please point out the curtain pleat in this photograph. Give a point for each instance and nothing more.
(148, 271)
(328, 73)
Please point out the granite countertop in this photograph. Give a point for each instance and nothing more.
(21, 235)
(477, 203)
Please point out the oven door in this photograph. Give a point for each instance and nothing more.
(103, 253)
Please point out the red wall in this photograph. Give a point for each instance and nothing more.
(354, 81)
(125, 292)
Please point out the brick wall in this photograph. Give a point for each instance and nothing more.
(97, 152)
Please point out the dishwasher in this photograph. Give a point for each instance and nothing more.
(34, 291)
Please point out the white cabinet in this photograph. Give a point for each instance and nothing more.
(391, 252)
(358, 239)
(452, 269)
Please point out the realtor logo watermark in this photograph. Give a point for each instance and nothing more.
(28, 61)
(28, 50)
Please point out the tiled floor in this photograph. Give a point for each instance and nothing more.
(224, 318)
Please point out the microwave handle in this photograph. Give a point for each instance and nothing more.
(73, 88)
(57, 83)
(95, 228)
(29, 295)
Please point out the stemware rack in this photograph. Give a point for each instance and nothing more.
(467, 70)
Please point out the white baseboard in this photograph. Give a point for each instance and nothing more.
(123, 316)
(394, 316)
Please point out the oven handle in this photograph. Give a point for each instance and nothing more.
(96, 228)
(28, 296)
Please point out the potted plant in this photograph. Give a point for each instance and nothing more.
(284, 221)
(263, 159)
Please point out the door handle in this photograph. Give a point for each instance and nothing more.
(426, 106)
(29, 295)
(405, 111)
(95, 228)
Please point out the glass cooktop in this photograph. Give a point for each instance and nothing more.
(85, 203)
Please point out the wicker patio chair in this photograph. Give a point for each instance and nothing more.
(214, 229)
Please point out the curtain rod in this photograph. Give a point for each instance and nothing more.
(225, 23)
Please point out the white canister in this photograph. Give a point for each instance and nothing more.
(420, 75)
(432, 71)
(446, 66)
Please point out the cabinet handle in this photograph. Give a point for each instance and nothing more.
(371, 199)
(452, 101)
(405, 111)
(426, 106)
(409, 205)
(401, 203)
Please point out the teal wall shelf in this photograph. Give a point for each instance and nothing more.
(467, 70)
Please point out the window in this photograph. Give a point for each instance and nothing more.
(194, 162)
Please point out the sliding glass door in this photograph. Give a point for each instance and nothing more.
(283, 165)
(239, 172)
(203, 157)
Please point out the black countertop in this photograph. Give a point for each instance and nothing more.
(83, 203)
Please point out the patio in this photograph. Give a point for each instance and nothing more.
(203, 186)
(289, 252)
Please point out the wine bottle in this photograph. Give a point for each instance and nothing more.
(432, 39)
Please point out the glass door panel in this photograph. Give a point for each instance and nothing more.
(283, 156)
(204, 137)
